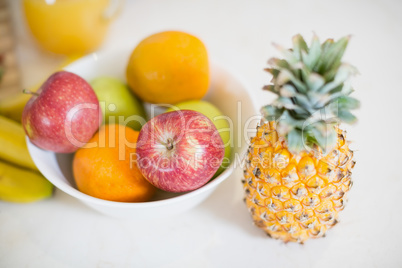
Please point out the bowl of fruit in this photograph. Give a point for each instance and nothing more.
(143, 132)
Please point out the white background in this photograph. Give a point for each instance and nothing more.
(61, 232)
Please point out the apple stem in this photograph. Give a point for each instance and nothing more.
(169, 144)
(26, 91)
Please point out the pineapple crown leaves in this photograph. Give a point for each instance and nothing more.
(313, 88)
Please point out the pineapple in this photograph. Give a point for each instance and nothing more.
(298, 166)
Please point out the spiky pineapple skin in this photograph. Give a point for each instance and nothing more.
(294, 197)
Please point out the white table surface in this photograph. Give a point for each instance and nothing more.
(62, 232)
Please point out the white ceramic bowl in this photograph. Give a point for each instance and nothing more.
(226, 92)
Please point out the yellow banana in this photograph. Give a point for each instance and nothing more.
(13, 104)
(22, 186)
(13, 147)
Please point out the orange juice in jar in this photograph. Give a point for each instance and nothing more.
(70, 26)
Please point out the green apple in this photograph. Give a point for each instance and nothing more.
(118, 103)
(215, 115)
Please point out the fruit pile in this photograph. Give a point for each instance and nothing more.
(119, 155)
(298, 167)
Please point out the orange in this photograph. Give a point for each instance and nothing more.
(169, 67)
(106, 167)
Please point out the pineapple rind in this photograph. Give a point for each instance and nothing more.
(294, 197)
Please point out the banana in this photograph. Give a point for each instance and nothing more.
(13, 147)
(12, 104)
(22, 186)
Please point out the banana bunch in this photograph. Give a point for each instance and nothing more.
(20, 180)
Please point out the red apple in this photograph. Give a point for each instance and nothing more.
(63, 115)
(179, 151)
